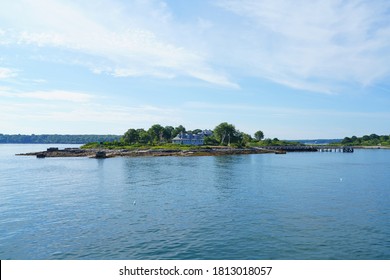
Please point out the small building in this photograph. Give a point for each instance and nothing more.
(191, 139)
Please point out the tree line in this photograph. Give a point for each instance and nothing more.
(56, 138)
(223, 134)
(156, 134)
(367, 140)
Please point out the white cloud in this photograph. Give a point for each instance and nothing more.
(135, 41)
(7, 73)
(81, 118)
(322, 46)
(314, 45)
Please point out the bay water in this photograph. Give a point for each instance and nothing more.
(295, 206)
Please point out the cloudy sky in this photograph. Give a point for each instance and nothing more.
(293, 69)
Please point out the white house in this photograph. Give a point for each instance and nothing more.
(191, 139)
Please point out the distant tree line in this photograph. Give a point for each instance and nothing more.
(56, 138)
(367, 140)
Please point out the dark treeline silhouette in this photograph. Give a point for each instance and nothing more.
(56, 138)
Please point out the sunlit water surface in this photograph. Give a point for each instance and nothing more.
(293, 206)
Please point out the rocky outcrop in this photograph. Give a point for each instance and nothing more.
(106, 153)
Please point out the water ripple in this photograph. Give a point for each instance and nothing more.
(234, 207)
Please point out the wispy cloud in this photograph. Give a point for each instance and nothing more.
(7, 73)
(322, 46)
(314, 45)
(143, 40)
(282, 111)
(37, 117)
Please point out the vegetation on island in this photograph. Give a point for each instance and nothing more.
(367, 140)
(160, 137)
(55, 139)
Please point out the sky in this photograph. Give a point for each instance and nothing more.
(293, 69)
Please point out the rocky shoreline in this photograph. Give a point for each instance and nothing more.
(208, 151)
(108, 153)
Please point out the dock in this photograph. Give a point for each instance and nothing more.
(313, 148)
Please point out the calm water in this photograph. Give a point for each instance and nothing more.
(293, 206)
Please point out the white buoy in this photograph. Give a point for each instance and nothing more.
(134, 202)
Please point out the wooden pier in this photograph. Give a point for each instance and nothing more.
(323, 149)
(346, 149)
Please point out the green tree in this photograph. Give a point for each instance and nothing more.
(246, 138)
(131, 136)
(156, 133)
(374, 136)
(267, 142)
(259, 135)
(168, 133)
(346, 140)
(143, 136)
(225, 133)
(178, 130)
(210, 140)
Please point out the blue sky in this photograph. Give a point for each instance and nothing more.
(293, 69)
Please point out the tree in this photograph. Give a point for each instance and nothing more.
(267, 142)
(168, 133)
(225, 132)
(178, 130)
(143, 136)
(259, 135)
(346, 140)
(246, 138)
(131, 136)
(156, 132)
(210, 140)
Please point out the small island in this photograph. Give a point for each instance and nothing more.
(224, 139)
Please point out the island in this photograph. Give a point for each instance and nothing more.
(224, 139)
(108, 153)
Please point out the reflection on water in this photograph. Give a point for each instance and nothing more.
(292, 206)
